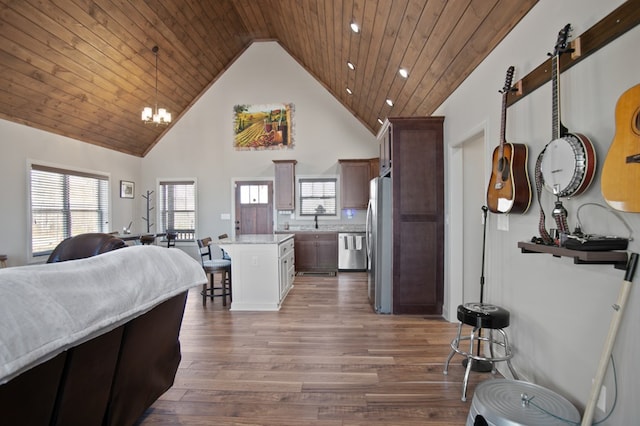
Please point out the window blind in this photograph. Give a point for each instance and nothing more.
(65, 203)
(177, 201)
(318, 197)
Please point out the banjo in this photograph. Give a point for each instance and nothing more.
(568, 162)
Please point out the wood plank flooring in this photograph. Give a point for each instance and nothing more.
(324, 359)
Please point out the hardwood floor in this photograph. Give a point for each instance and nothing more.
(324, 359)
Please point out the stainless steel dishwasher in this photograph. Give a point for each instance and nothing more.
(352, 251)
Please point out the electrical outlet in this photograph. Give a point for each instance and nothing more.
(602, 399)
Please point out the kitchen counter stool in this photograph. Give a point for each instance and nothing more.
(493, 320)
(211, 267)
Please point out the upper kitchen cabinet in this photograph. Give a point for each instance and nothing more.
(417, 177)
(374, 167)
(385, 136)
(354, 183)
(285, 185)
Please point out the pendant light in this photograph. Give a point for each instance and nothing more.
(155, 115)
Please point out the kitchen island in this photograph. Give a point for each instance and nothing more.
(262, 270)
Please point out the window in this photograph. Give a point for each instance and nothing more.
(318, 197)
(65, 203)
(254, 194)
(177, 202)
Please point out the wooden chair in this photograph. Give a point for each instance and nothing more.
(211, 267)
(171, 238)
(147, 239)
(225, 255)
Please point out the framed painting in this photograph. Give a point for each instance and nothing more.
(262, 127)
(126, 189)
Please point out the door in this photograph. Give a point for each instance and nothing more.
(473, 199)
(254, 207)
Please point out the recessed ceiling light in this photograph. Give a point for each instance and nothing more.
(355, 28)
(380, 121)
(403, 72)
(350, 65)
(389, 102)
(349, 91)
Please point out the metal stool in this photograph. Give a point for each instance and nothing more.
(481, 316)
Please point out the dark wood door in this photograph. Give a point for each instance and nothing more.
(254, 207)
(418, 215)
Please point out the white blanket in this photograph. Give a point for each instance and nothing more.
(46, 309)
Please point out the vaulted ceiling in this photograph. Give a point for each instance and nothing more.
(85, 68)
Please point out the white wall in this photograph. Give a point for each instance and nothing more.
(560, 312)
(19, 144)
(201, 143)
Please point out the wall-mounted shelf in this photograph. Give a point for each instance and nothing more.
(616, 258)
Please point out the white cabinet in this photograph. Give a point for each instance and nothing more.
(262, 270)
(287, 267)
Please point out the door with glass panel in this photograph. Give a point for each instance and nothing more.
(254, 207)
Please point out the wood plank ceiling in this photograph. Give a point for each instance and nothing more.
(85, 69)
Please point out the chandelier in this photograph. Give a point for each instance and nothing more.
(157, 116)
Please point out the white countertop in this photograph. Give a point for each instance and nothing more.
(256, 239)
(324, 228)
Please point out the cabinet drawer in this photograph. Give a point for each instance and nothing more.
(286, 248)
(316, 236)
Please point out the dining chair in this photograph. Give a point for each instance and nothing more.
(212, 266)
(171, 238)
(147, 239)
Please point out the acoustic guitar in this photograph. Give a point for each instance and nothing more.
(620, 181)
(509, 189)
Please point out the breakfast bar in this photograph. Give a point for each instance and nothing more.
(262, 270)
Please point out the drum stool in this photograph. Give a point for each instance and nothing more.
(481, 316)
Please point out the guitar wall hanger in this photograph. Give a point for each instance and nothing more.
(609, 28)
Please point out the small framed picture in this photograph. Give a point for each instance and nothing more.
(126, 189)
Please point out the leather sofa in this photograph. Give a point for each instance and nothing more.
(108, 380)
(85, 245)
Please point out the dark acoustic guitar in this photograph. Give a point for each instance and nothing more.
(620, 182)
(509, 189)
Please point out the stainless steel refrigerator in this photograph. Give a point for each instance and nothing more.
(379, 245)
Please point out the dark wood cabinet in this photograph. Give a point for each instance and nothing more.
(355, 176)
(354, 183)
(374, 168)
(384, 141)
(285, 184)
(417, 175)
(316, 251)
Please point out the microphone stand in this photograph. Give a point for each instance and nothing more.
(477, 365)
